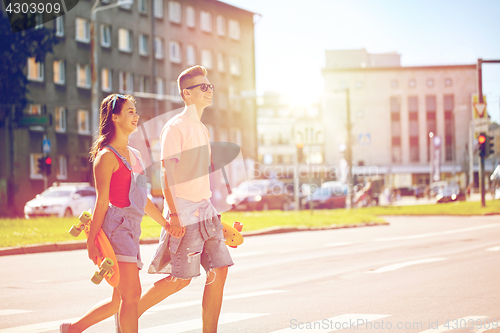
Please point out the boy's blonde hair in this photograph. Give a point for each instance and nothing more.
(187, 75)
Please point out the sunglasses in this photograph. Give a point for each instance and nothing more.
(203, 86)
(114, 100)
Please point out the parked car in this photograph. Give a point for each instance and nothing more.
(327, 197)
(62, 200)
(450, 193)
(261, 194)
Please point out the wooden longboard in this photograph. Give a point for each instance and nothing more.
(107, 262)
(233, 237)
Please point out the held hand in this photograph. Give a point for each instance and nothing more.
(93, 251)
(175, 227)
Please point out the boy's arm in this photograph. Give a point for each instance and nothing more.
(167, 168)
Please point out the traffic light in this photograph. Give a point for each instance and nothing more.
(48, 165)
(490, 146)
(481, 141)
(41, 165)
(300, 152)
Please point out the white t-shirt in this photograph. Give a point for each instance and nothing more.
(187, 140)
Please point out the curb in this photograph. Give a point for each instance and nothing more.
(81, 245)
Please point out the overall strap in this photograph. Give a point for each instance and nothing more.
(124, 160)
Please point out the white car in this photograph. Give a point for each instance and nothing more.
(62, 200)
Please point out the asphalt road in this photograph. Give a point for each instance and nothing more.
(419, 274)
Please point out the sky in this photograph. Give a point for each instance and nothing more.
(291, 38)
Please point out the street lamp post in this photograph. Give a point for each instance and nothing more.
(94, 62)
(431, 135)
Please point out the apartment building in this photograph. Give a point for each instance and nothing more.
(393, 110)
(142, 48)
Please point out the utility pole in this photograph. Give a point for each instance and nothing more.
(350, 178)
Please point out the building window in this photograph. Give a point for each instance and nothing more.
(174, 92)
(105, 35)
(142, 6)
(158, 8)
(126, 82)
(394, 84)
(190, 55)
(221, 63)
(124, 40)
(206, 21)
(449, 128)
(413, 122)
(211, 132)
(234, 29)
(174, 11)
(34, 171)
(60, 119)
(430, 107)
(59, 22)
(83, 76)
(34, 110)
(35, 70)
(143, 45)
(61, 167)
(144, 84)
(159, 48)
(430, 83)
(127, 6)
(222, 100)
(175, 52)
(236, 136)
(234, 98)
(59, 72)
(223, 136)
(396, 129)
(206, 59)
(82, 30)
(221, 25)
(448, 82)
(106, 79)
(160, 86)
(234, 65)
(359, 84)
(190, 17)
(412, 83)
(83, 122)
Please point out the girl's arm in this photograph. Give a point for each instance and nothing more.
(155, 214)
(104, 166)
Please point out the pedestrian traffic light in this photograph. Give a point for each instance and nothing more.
(490, 146)
(481, 141)
(41, 165)
(300, 152)
(48, 166)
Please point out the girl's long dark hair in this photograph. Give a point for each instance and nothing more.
(106, 126)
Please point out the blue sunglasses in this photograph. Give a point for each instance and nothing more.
(114, 100)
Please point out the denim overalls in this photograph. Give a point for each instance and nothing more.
(123, 225)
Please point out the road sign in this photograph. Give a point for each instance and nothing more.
(364, 139)
(480, 108)
(46, 146)
(34, 120)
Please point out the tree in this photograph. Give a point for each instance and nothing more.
(15, 49)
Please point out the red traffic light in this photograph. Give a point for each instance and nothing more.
(481, 139)
(48, 160)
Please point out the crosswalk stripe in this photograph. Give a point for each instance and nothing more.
(246, 254)
(194, 324)
(165, 307)
(338, 244)
(405, 264)
(346, 321)
(8, 312)
(449, 326)
(448, 232)
(39, 327)
(494, 249)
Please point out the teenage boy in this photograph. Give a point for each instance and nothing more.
(185, 154)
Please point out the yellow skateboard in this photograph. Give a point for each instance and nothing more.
(232, 234)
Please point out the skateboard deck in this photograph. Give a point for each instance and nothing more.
(107, 264)
(232, 234)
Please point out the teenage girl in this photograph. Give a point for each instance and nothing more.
(121, 203)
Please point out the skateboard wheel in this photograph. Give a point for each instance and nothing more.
(74, 231)
(96, 279)
(238, 226)
(85, 217)
(107, 264)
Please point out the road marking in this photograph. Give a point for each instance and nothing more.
(493, 249)
(338, 244)
(40, 327)
(345, 321)
(165, 307)
(405, 264)
(8, 312)
(246, 254)
(459, 324)
(195, 324)
(431, 234)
